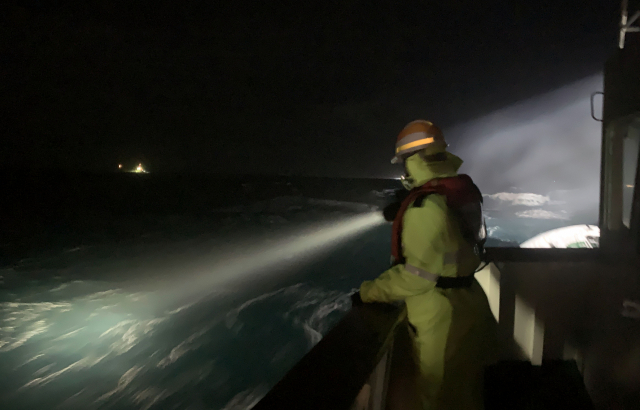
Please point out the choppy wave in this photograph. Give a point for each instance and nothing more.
(310, 309)
(246, 399)
(63, 342)
(525, 199)
(542, 214)
(136, 356)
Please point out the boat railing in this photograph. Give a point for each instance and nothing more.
(349, 368)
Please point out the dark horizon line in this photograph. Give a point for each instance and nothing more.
(5, 170)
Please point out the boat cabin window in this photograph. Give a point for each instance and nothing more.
(631, 151)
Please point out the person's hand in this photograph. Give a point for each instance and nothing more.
(390, 211)
(356, 300)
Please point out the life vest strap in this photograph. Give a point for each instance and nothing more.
(442, 282)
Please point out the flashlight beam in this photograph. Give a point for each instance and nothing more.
(254, 262)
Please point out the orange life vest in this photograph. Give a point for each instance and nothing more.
(463, 198)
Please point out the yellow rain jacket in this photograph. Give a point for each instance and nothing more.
(455, 327)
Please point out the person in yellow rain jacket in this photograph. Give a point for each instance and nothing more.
(433, 274)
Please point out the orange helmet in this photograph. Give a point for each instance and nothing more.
(415, 136)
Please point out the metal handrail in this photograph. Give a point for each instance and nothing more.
(593, 115)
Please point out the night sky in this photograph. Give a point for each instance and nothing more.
(279, 87)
